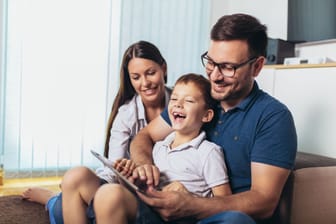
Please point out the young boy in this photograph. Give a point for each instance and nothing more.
(186, 160)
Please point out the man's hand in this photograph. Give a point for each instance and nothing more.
(171, 205)
(147, 174)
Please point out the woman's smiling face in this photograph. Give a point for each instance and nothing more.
(147, 78)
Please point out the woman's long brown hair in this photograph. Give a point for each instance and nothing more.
(141, 49)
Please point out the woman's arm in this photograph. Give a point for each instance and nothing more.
(121, 132)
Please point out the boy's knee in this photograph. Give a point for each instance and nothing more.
(109, 194)
(74, 177)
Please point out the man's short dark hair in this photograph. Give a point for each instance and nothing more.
(242, 27)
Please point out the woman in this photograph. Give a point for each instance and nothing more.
(141, 97)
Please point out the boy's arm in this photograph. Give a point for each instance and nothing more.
(221, 190)
(175, 186)
(141, 150)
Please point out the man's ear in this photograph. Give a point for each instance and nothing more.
(258, 65)
(209, 114)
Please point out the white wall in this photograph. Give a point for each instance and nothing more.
(1, 76)
(272, 13)
(1, 53)
(1, 38)
(309, 94)
(317, 49)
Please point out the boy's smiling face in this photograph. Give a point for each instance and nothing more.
(187, 108)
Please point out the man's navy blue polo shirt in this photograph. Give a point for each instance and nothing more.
(260, 129)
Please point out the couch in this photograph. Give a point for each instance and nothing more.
(309, 195)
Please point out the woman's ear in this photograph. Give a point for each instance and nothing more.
(209, 114)
(164, 69)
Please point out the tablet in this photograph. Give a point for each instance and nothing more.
(109, 164)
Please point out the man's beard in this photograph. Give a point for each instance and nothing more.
(232, 95)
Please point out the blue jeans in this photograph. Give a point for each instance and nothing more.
(146, 215)
(229, 217)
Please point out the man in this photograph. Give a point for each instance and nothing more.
(256, 132)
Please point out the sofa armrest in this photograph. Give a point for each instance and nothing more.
(314, 196)
(309, 194)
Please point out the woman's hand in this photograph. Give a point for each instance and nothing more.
(124, 166)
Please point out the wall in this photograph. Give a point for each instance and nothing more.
(1, 42)
(318, 49)
(309, 92)
(272, 13)
(1, 73)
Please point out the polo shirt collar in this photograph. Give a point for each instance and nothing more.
(249, 99)
(194, 143)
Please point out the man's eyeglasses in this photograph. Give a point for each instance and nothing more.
(226, 69)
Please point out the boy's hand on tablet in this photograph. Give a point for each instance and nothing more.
(147, 174)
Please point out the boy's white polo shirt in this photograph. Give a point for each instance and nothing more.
(199, 164)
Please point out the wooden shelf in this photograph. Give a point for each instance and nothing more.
(333, 64)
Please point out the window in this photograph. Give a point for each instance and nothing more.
(60, 72)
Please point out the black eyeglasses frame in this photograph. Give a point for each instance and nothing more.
(225, 64)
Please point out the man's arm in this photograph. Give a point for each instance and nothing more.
(141, 149)
(259, 202)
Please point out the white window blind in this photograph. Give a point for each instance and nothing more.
(180, 28)
(60, 72)
(55, 86)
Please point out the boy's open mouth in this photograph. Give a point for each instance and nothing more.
(177, 115)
